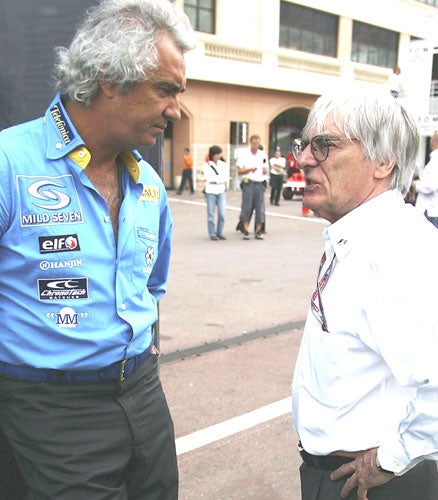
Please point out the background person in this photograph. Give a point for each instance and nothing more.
(277, 174)
(426, 187)
(216, 175)
(365, 386)
(187, 172)
(85, 240)
(394, 82)
(252, 169)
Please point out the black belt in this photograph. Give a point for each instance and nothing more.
(117, 372)
(323, 462)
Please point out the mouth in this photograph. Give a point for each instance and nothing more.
(160, 126)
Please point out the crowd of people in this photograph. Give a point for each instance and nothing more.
(82, 410)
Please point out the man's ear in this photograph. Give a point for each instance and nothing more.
(384, 170)
(108, 90)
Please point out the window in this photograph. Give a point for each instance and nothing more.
(201, 14)
(308, 30)
(430, 2)
(373, 45)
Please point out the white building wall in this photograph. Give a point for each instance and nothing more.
(245, 51)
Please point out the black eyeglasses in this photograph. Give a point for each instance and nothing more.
(319, 146)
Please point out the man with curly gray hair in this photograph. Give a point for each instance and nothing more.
(85, 240)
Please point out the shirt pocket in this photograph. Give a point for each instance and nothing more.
(146, 254)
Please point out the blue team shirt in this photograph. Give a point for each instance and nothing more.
(69, 297)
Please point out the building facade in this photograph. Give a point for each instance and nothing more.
(260, 64)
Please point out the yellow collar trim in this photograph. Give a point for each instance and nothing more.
(81, 156)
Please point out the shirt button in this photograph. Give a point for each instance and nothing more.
(58, 145)
(106, 218)
(81, 154)
(123, 307)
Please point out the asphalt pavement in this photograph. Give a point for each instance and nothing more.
(230, 327)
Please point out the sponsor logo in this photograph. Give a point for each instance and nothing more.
(63, 289)
(61, 123)
(67, 317)
(45, 265)
(52, 198)
(150, 193)
(149, 258)
(48, 201)
(59, 243)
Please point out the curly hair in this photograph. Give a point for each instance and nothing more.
(116, 45)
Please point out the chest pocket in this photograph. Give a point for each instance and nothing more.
(146, 253)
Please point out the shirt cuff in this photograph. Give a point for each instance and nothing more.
(393, 458)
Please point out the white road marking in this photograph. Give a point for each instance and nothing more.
(271, 214)
(232, 426)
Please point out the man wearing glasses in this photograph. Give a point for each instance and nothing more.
(365, 387)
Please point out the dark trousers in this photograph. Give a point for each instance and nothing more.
(186, 176)
(420, 483)
(276, 182)
(111, 441)
(12, 485)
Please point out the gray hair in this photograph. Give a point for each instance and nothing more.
(385, 130)
(116, 45)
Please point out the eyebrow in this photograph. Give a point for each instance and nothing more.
(170, 87)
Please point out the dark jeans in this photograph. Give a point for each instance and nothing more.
(420, 483)
(98, 441)
(187, 175)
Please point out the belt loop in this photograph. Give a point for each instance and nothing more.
(122, 370)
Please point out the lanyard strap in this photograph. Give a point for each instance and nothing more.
(321, 282)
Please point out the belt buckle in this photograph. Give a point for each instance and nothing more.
(122, 370)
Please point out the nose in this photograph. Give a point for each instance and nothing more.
(172, 111)
(306, 158)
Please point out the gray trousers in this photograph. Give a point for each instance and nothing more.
(420, 483)
(253, 199)
(111, 441)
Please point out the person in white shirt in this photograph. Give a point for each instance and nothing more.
(252, 169)
(216, 174)
(277, 174)
(365, 386)
(426, 186)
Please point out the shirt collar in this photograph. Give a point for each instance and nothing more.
(349, 229)
(63, 139)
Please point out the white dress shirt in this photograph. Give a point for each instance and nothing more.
(372, 379)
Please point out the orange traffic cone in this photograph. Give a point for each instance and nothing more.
(304, 210)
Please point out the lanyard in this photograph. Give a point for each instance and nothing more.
(321, 282)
